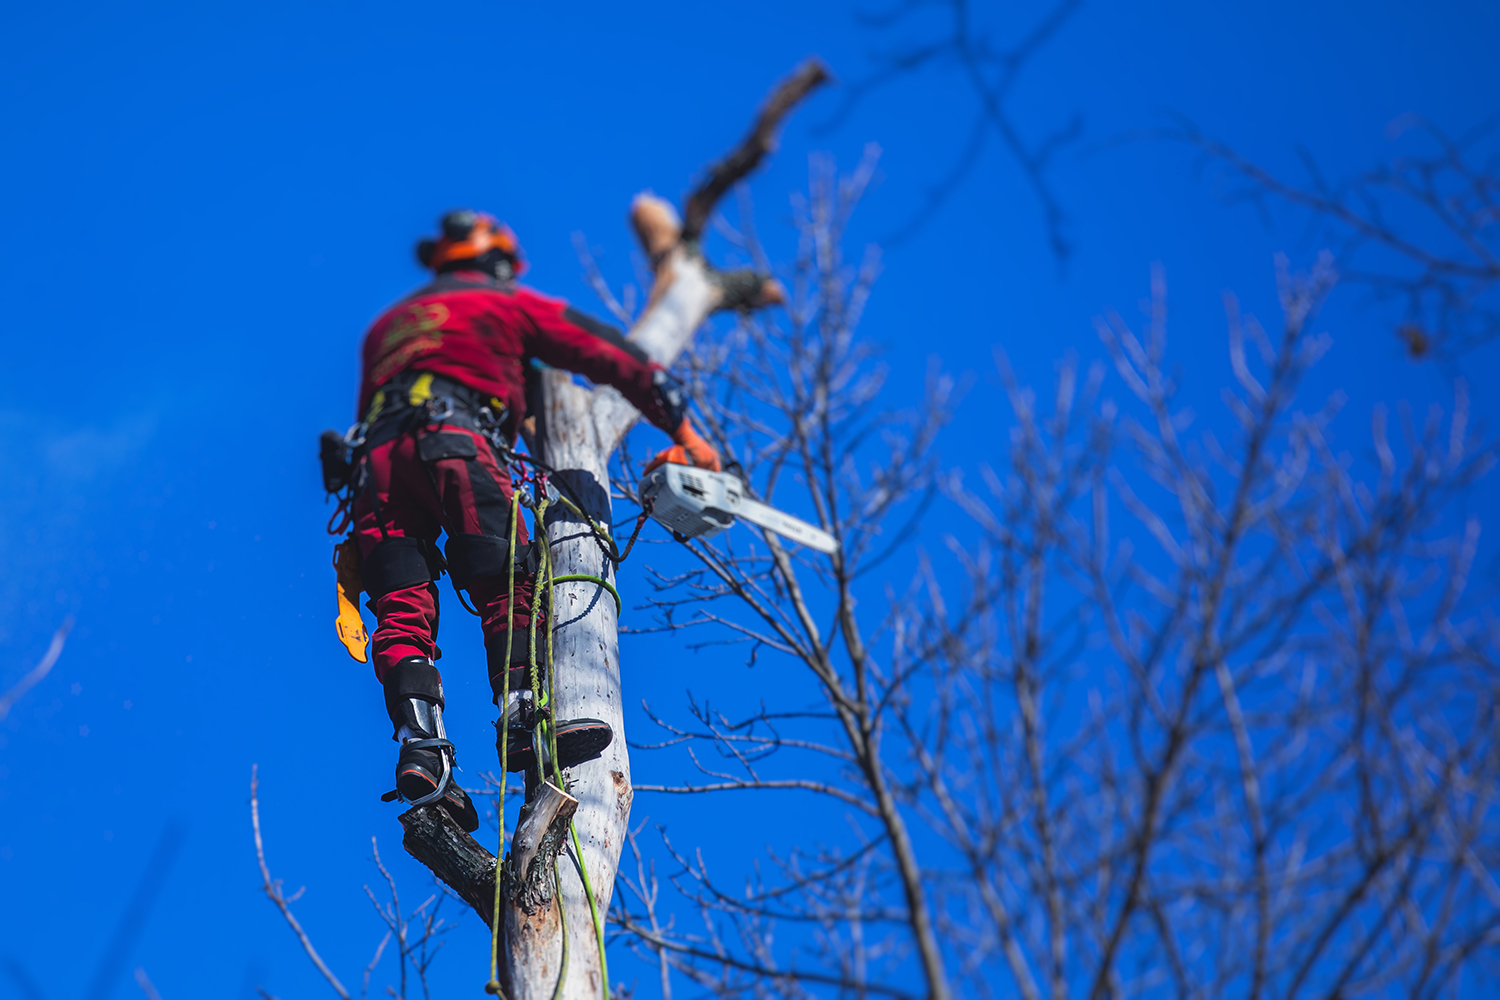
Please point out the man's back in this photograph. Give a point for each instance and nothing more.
(480, 331)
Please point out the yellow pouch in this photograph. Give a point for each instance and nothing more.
(350, 626)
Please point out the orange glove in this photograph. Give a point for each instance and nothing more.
(690, 449)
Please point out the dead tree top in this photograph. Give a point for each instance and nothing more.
(747, 156)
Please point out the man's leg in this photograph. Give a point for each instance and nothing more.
(476, 496)
(397, 526)
(474, 505)
(397, 531)
(407, 626)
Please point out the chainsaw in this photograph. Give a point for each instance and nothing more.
(697, 503)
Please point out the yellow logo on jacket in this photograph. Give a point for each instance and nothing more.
(417, 329)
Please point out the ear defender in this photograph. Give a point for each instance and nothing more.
(474, 240)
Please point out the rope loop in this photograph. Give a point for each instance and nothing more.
(590, 578)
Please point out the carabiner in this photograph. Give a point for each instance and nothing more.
(438, 417)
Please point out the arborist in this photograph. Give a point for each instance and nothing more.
(441, 400)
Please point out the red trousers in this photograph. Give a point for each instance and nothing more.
(404, 496)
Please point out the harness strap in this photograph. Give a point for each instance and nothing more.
(414, 398)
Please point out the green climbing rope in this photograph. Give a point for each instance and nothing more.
(588, 890)
(551, 582)
(590, 578)
(562, 922)
(493, 986)
(546, 729)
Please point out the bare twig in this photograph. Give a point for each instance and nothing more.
(364, 985)
(273, 892)
(1429, 221)
(34, 676)
(991, 75)
(144, 982)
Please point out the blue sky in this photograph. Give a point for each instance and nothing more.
(205, 205)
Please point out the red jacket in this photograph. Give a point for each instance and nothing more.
(468, 327)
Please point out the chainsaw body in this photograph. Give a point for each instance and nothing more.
(697, 503)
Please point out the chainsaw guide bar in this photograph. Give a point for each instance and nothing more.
(697, 503)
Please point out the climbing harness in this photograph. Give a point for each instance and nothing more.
(407, 404)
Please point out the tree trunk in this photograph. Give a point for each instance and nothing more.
(577, 431)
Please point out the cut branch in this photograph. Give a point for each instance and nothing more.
(435, 839)
(539, 837)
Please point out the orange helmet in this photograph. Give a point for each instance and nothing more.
(473, 239)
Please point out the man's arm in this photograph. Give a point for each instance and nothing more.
(604, 332)
(563, 337)
(600, 353)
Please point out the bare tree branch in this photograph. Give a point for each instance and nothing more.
(756, 146)
(1183, 713)
(1426, 224)
(273, 892)
(144, 982)
(34, 676)
(991, 75)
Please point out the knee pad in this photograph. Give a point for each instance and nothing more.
(397, 563)
(475, 557)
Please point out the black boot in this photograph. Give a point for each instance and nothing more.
(578, 740)
(424, 768)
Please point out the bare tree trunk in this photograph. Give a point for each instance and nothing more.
(586, 662)
(577, 431)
